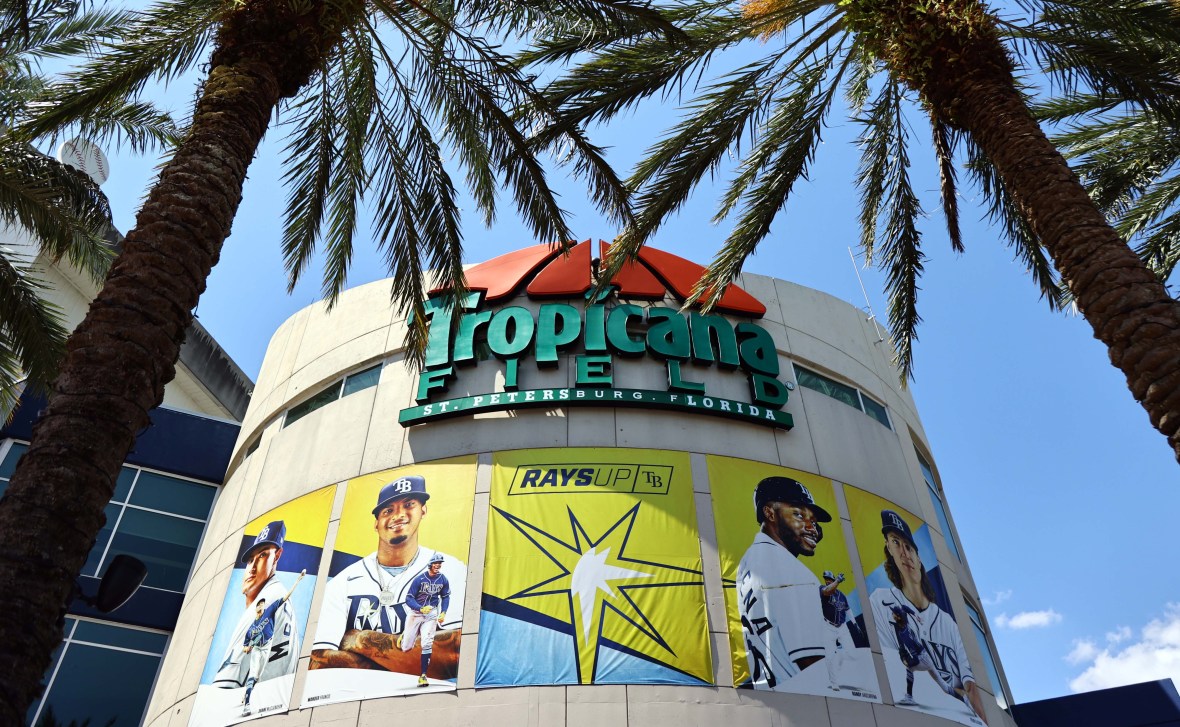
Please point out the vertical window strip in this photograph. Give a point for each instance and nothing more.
(944, 520)
(988, 654)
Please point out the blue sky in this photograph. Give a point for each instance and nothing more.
(1062, 492)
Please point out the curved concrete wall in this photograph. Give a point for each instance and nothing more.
(359, 434)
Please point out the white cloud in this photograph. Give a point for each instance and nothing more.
(1083, 651)
(1028, 619)
(999, 598)
(1120, 634)
(1156, 655)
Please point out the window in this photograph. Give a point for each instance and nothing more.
(988, 655)
(8, 464)
(849, 395)
(102, 673)
(350, 384)
(939, 508)
(155, 517)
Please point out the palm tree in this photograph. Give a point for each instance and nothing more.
(1126, 149)
(59, 208)
(363, 84)
(948, 56)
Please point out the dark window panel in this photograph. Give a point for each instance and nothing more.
(111, 635)
(322, 399)
(875, 410)
(827, 387)
(103, 686)
(167, 545)
(161, 492)
(362, 380)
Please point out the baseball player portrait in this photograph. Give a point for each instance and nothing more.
(256, 645)
(908, 619)
(260, 584)
(376, 609)
(778, 597)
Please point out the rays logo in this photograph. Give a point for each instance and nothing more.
(402, 486)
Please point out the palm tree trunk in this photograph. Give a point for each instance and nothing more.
(1125, 303)
(123, 353)
(953, 57)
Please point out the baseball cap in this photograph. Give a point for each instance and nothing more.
(890, 520)
(785, 489)
(408, 486)
(829, 575)
(274, 533)
(436, 558)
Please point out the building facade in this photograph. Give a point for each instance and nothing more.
(640, 513)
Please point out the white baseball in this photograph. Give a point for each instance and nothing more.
(85, 156)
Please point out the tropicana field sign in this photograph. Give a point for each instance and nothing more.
(596, 334)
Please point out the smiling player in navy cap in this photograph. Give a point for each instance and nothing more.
(779, 598)
(366, 605)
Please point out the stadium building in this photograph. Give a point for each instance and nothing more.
(642, 514)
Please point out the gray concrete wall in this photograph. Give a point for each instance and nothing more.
(360, 434)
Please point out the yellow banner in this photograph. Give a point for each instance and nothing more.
(593, 571)
(794, 609)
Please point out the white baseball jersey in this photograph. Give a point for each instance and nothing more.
(351, 599)
(284, 645)
(782, 621)
(937, 631)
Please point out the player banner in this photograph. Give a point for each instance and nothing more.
(251, 664)
(392, 613)
(796, 622)
(923, 649)
(593, 571)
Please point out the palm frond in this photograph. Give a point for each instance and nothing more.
(944, 152)
(162, 43)
(784, 152)
(1122, 49)
(62, 208)
(32, 327)
(1160, 247)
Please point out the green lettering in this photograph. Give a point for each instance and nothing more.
(511, 331)
(592, 371)
(558, 325)
(667, 334)
(767, 390)
(710, 330)
(465, 339)
(440, 314)
(757, 349)
(616, 330)
(596, 329)
(677, 383)
(430, 380)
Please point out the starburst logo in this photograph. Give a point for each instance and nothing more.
(601, 586)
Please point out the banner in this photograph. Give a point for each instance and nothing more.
(251, 665)
(593, 571)
(923, 649)
(795, 618)
(392, 613)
